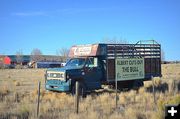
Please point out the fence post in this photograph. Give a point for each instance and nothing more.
(174, 87)
(77, 97)
(39, 85)
(154, 93)
(16, 97)
(134, 96)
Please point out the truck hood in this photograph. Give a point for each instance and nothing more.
(64, 68)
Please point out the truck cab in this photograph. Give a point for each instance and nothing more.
(88, 69)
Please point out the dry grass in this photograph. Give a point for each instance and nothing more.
(18, 98)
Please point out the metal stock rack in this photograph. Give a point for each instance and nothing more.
(146, 49)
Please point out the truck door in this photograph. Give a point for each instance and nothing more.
(93, 73)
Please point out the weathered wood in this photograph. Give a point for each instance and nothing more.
(39, 85)
(77, 97)
(154, 92)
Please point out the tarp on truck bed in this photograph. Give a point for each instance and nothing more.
(87, 50)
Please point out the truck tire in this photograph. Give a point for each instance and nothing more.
(137, 84)
(82, 89)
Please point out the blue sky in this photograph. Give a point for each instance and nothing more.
(52, 24)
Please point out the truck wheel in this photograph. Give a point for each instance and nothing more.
(137, 84)
(82, 89)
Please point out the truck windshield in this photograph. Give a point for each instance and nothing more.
(76, 62)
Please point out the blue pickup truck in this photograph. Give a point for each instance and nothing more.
(96, 64)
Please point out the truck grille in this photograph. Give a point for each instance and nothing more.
(55, 75)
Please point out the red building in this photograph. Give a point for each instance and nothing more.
(7, 60)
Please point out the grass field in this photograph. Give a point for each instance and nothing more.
(18, 98)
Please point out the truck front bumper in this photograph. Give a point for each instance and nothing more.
(61, 86)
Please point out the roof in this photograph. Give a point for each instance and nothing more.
(25, 58)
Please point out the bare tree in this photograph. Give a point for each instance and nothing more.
(19, 57)
(36, 55)
(63, 53)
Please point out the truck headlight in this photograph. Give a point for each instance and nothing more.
(54, 75)
(67, 76)
(61, 75)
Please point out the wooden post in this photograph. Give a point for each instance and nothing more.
(77, 97)
(134, 97)
(153, 90)
(39, 85)
(174, 87)
(16, 97)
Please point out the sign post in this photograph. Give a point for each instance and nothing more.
(128, 69)
(116, 80)
(116, 94)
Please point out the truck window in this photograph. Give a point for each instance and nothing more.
(92, 62)
(76, 62)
